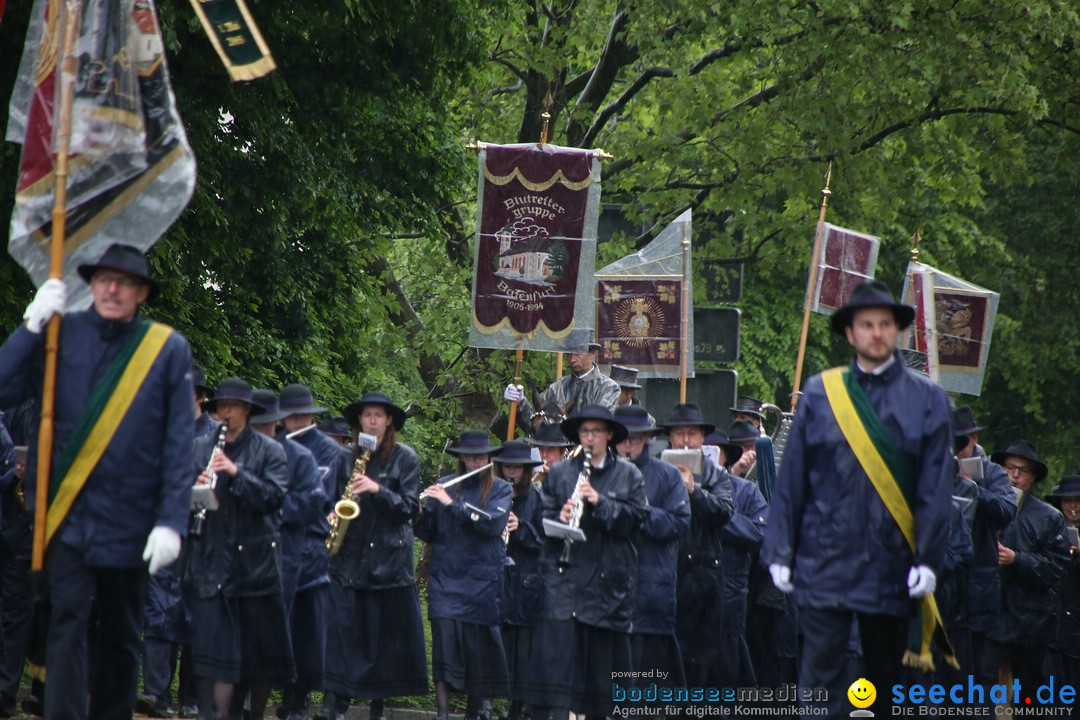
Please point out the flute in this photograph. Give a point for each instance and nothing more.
(454, 481)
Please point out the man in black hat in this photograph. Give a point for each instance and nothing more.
(305, 566)
(653, 641)
(990, 507)
(1032, 553)
(584, 641)
(585, 385)
(868, 439)
(233, 563)
(700, 581)
(550, 444)
(299, 410)
(1063, 661)
(748, 408)
(122, 450)
(204, 424)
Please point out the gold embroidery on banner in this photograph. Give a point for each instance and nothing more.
(540, 186)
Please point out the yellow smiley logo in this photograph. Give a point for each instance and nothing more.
(862, 693)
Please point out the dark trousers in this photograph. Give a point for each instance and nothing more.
(16, 605)
(117, 596)
(1025, 661)
(159, 663)
(823, 663)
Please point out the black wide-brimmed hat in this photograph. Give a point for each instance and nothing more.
(570, 425)
(272, 412)
(1069, 488)
(335, 427)
(517, 452)
(636, 419)
(747, 405)
(964, 422)
(732, 452)
(352, 412)
(474, 442)
(581, 342)
(688, 414)
(297, 400)
(198, 379)
(625, 377)
(124, 258)
(874, 294)
(1022, 449)
(549, 434)
(234, 389)
(743, 431)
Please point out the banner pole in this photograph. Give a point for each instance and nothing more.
(56, 270)
(811, 289)
(684, 322)
(519, 355)
(558, 365)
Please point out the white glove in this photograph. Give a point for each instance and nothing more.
(921, 581)
(781, 577)
(162, 548)
(514, 393)
(48, 301)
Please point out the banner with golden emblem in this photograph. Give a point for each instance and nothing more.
(639, 306)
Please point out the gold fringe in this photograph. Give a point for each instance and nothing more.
(36, 672)
(920, 661)
(953, 662)
(252, 71)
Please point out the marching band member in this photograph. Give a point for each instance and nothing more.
(464, 525)
(584, 638)
(652, 637)
(523, 597)
(377, 649)
(233, 570)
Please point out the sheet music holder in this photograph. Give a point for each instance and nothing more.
(476, 513)
(562, 531)
(688, 458)
(203, 498)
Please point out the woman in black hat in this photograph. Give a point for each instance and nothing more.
(584, 640)
(464, 525)
(375, 648)
(523, 598)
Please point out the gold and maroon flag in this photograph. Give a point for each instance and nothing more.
(535, 247)
(130, 169)
(847, 259)
(639, 306)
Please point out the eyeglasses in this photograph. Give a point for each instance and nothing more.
(592, 430)
(1018, 469)
(125, 281)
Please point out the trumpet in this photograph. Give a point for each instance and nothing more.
(454, 481)
(199, 519)
(347, 508)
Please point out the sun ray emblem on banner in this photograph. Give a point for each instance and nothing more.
(639, 320)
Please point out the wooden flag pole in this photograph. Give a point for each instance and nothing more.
(519, 355)
(56, 270)
(811, 289)
(684, 330)
(558, 365)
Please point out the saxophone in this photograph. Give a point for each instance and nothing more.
(579, 507)
(347, 508)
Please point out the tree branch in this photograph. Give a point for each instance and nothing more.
(729, 49)
(635, 87)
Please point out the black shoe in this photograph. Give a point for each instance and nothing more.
(32, 706)
(153, 707)
(188, 710)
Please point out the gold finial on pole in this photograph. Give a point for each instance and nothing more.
(547, 103)
(915, 240)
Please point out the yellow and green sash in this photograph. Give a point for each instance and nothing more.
(100, 419)
(892, 477)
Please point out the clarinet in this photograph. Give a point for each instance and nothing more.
(579, 507)
(199, 518)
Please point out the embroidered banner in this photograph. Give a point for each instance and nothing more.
(535, 247)
(235, 37)
(130, 169)
(639, 306)
(954, 322)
